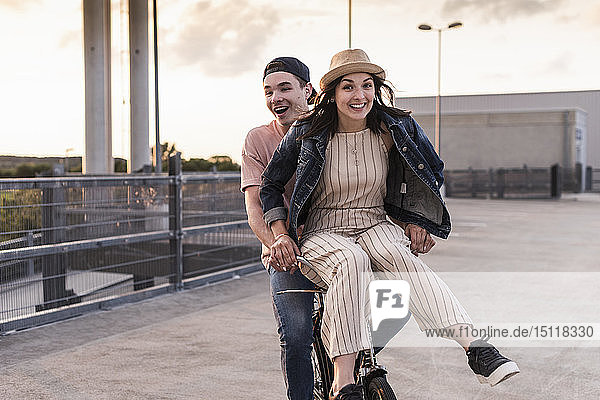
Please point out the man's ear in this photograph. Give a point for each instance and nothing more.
(308, 89)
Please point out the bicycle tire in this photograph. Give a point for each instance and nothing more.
(380, 389)
(322, 365)
(322, 369)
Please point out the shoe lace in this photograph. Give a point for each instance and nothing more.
(486, 353)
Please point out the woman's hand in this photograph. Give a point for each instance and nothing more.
(420, 240)
(283, 254)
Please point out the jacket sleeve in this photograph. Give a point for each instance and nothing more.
(279, 171)
(428, 151)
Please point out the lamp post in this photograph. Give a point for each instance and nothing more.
(437, 123)
(158, 168)
(349, 24)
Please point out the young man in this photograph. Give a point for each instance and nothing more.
(286, 82)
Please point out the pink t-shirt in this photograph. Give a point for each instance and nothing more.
(259, 146)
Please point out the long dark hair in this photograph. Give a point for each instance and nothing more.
(324, 115)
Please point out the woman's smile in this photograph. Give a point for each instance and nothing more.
(358, 106)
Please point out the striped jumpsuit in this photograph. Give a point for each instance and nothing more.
(347, 236)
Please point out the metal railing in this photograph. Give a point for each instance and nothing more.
(505, 183)
(593, 177)
(72, 244)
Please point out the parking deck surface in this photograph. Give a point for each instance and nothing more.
(219, 341)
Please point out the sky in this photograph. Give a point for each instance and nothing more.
(212, 55)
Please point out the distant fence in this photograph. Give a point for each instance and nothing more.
(592, 180)
(74, 244)
(506, 183)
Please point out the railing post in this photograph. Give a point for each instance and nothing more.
(472, 181)
(491, 183)
(555, 181)
(578, 178)
(588, 179)
(30, 263)
(54, 267)
(500, 182)
(176, 217)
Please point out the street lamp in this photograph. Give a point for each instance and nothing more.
(426, 27)
(158, 168)
(349, 24)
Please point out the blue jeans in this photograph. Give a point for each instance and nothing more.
(293, 312)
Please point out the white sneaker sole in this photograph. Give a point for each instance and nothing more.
(501, 373)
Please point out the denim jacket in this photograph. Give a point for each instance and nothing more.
(412, 185)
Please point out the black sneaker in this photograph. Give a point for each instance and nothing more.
(348, 392)
(488, 364)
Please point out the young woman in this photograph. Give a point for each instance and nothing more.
(360, 163)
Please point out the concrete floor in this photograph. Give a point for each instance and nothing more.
(219, 342)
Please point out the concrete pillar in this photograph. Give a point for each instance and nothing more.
(98, 123)
(568, 143)
(138, 57)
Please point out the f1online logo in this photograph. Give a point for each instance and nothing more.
(389, 300)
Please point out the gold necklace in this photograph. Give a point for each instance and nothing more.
(354, 147)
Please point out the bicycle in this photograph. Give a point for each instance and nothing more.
(369, 374)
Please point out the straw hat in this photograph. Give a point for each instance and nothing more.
(347, 62)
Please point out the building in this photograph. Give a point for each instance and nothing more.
(510, 130)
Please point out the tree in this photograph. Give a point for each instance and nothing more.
(224, 163)
(195, 164)
(217, 162)
(120, 165)
(29, 170)
(167, 150)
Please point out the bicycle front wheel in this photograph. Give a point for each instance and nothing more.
(380, 389)
(323, 371)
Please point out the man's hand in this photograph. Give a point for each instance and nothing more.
(420, 240)
(283, 254)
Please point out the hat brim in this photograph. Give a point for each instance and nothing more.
(351, 68)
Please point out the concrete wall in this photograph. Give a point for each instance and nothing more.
(509, 139)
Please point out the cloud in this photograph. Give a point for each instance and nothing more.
(499, 10)
(581, 14)
(19, 5)
(593, 16)
(70, 38)
(223, 39)
(559, 64)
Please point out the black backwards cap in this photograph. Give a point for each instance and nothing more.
(288, 64)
